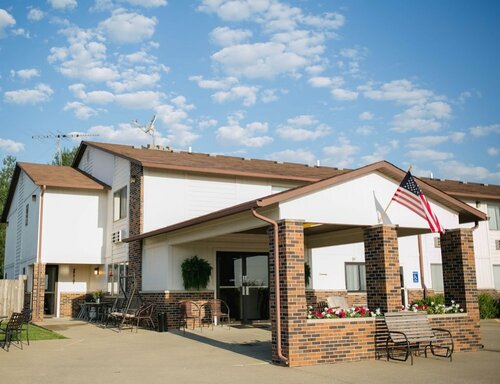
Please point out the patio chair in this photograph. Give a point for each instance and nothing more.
(13, 330)
(337, 302)
(144, 313)
(27, 313)
(218, 310)
(191, 311)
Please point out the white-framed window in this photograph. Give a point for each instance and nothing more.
(120, 204)
(116, 274)
(496, 276)
(494, 217)
(437, 277)
(355, 277)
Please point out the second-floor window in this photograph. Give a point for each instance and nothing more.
(355, 277)
(120, 204)
(494, 215)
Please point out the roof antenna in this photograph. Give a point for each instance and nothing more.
(58, 137)
(148, 128)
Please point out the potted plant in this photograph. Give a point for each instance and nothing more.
(97, 295)
(196, 273)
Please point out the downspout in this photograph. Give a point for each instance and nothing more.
(421, 262)
(39, 256)
(276, 281)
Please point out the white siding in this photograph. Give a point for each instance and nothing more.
(74, 226)
(171, 197)
(99, 164)
(121, 178)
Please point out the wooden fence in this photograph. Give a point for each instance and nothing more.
(11, 295)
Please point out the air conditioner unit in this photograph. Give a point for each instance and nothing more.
(118, 236)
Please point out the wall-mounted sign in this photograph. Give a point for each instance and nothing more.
(415, 277)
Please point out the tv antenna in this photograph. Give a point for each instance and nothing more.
(149, 128)
(60, 136)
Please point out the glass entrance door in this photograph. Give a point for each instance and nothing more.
(51, 275)
(243, 283)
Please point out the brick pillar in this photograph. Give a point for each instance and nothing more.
(292, 289)
(459, 269)
(136, 199)
(38, 291)
(383, 284)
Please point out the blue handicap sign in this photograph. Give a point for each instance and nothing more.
(415, 277)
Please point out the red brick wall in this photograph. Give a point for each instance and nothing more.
(383, 283)
(417, 294)
(69, 304)
(38, 293)
(463, 327)
(136, 201)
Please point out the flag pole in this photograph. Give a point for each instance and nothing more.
(390, 201)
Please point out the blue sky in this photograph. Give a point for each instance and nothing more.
(345, 83)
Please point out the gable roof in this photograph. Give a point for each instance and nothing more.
(465, 212)
(51, 176)
(461, 189)
(212, 164)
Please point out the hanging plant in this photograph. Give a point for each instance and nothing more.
(307, 273)
(196, 273)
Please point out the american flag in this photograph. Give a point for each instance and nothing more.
(410, 195)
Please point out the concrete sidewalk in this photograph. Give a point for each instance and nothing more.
(93, 354)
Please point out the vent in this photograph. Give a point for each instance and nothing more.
(497, 245)
(437, 242)
(118, 236)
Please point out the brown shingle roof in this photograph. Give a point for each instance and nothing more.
(461, 189)
(203, 163)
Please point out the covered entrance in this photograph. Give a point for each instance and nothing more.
(243, 283)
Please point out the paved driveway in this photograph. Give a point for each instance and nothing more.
(238, 356)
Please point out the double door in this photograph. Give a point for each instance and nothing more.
(243, 283)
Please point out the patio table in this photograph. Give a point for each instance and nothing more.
(97, 308)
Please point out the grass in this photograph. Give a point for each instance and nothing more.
(39, 333)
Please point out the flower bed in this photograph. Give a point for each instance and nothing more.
(341, 313)
(435, 308)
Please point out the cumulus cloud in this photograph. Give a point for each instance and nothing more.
(125, 134)
(11, 146)
(492, 151)
(6, 21)
(249, 135)
(400, 91)
(294, 156)
(207, 123)
(248, 94)
(63, 4)
(25, 74)
(176, 119)
(125, 27)
(303, 127)
(341, 154)
(454, 169)
(429, 155)
(342, 94)
(35, 14)
(81, 111)
(423, 117)
(366, 116)
(268, 95)
(381, 151)
(365, 130)
(323, 82)
(224, 83)
(148, 3)
(40, 94)
(226, 36)
(431, 141)
(485, 130)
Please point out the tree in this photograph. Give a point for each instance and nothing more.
(9, 164)
(67, 156)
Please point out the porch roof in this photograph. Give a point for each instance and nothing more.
(465, 212)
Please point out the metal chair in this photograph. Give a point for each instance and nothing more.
(27, 313)
(218, 310)
(191, 311)
(13, 330)
(145, 313)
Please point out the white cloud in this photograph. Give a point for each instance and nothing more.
(268, 95)
(423, 142)
(366, 116)
(235, 10)
(484, 130)
(41, 93)
(148, 3)
(128, 27)
(139, 100)
(303, 127)
(493, 151)
(63, 4)
(99, 97)
(365, 130)
(381, 152)
(130, 80)
(11, 146)
(259, 60)
(225, 36)
(25, 74)
(249, 135)
(181, 102)
(21, 32)
(177, 121)
(341, 155)
(125, 134)
(400, 91)
(423, 117)
(344, 94)
(6, 21)
(323, 82)
(81, 111)
(456, 170)
(35, 14)
(207, 123)
(294, 156)
(429, 155)
(224, 83)
(246, 93)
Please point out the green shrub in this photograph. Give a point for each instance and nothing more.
(489, 307)
(196, 273)
(430, 300)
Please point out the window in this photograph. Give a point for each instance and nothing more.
(437, 242)
(26, 214)
(494, 215)
(120, 204)
(117, 272)
(355, 276)
(437, 277)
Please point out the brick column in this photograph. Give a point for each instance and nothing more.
(383, 284)
(136, 201)
(459, 269)
(292, 289)
(38, 291)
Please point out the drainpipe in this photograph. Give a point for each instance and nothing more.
(276, 281)
(421, 262)
(39, 256)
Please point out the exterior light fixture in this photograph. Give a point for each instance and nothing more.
(96, 271)
(132, 179)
